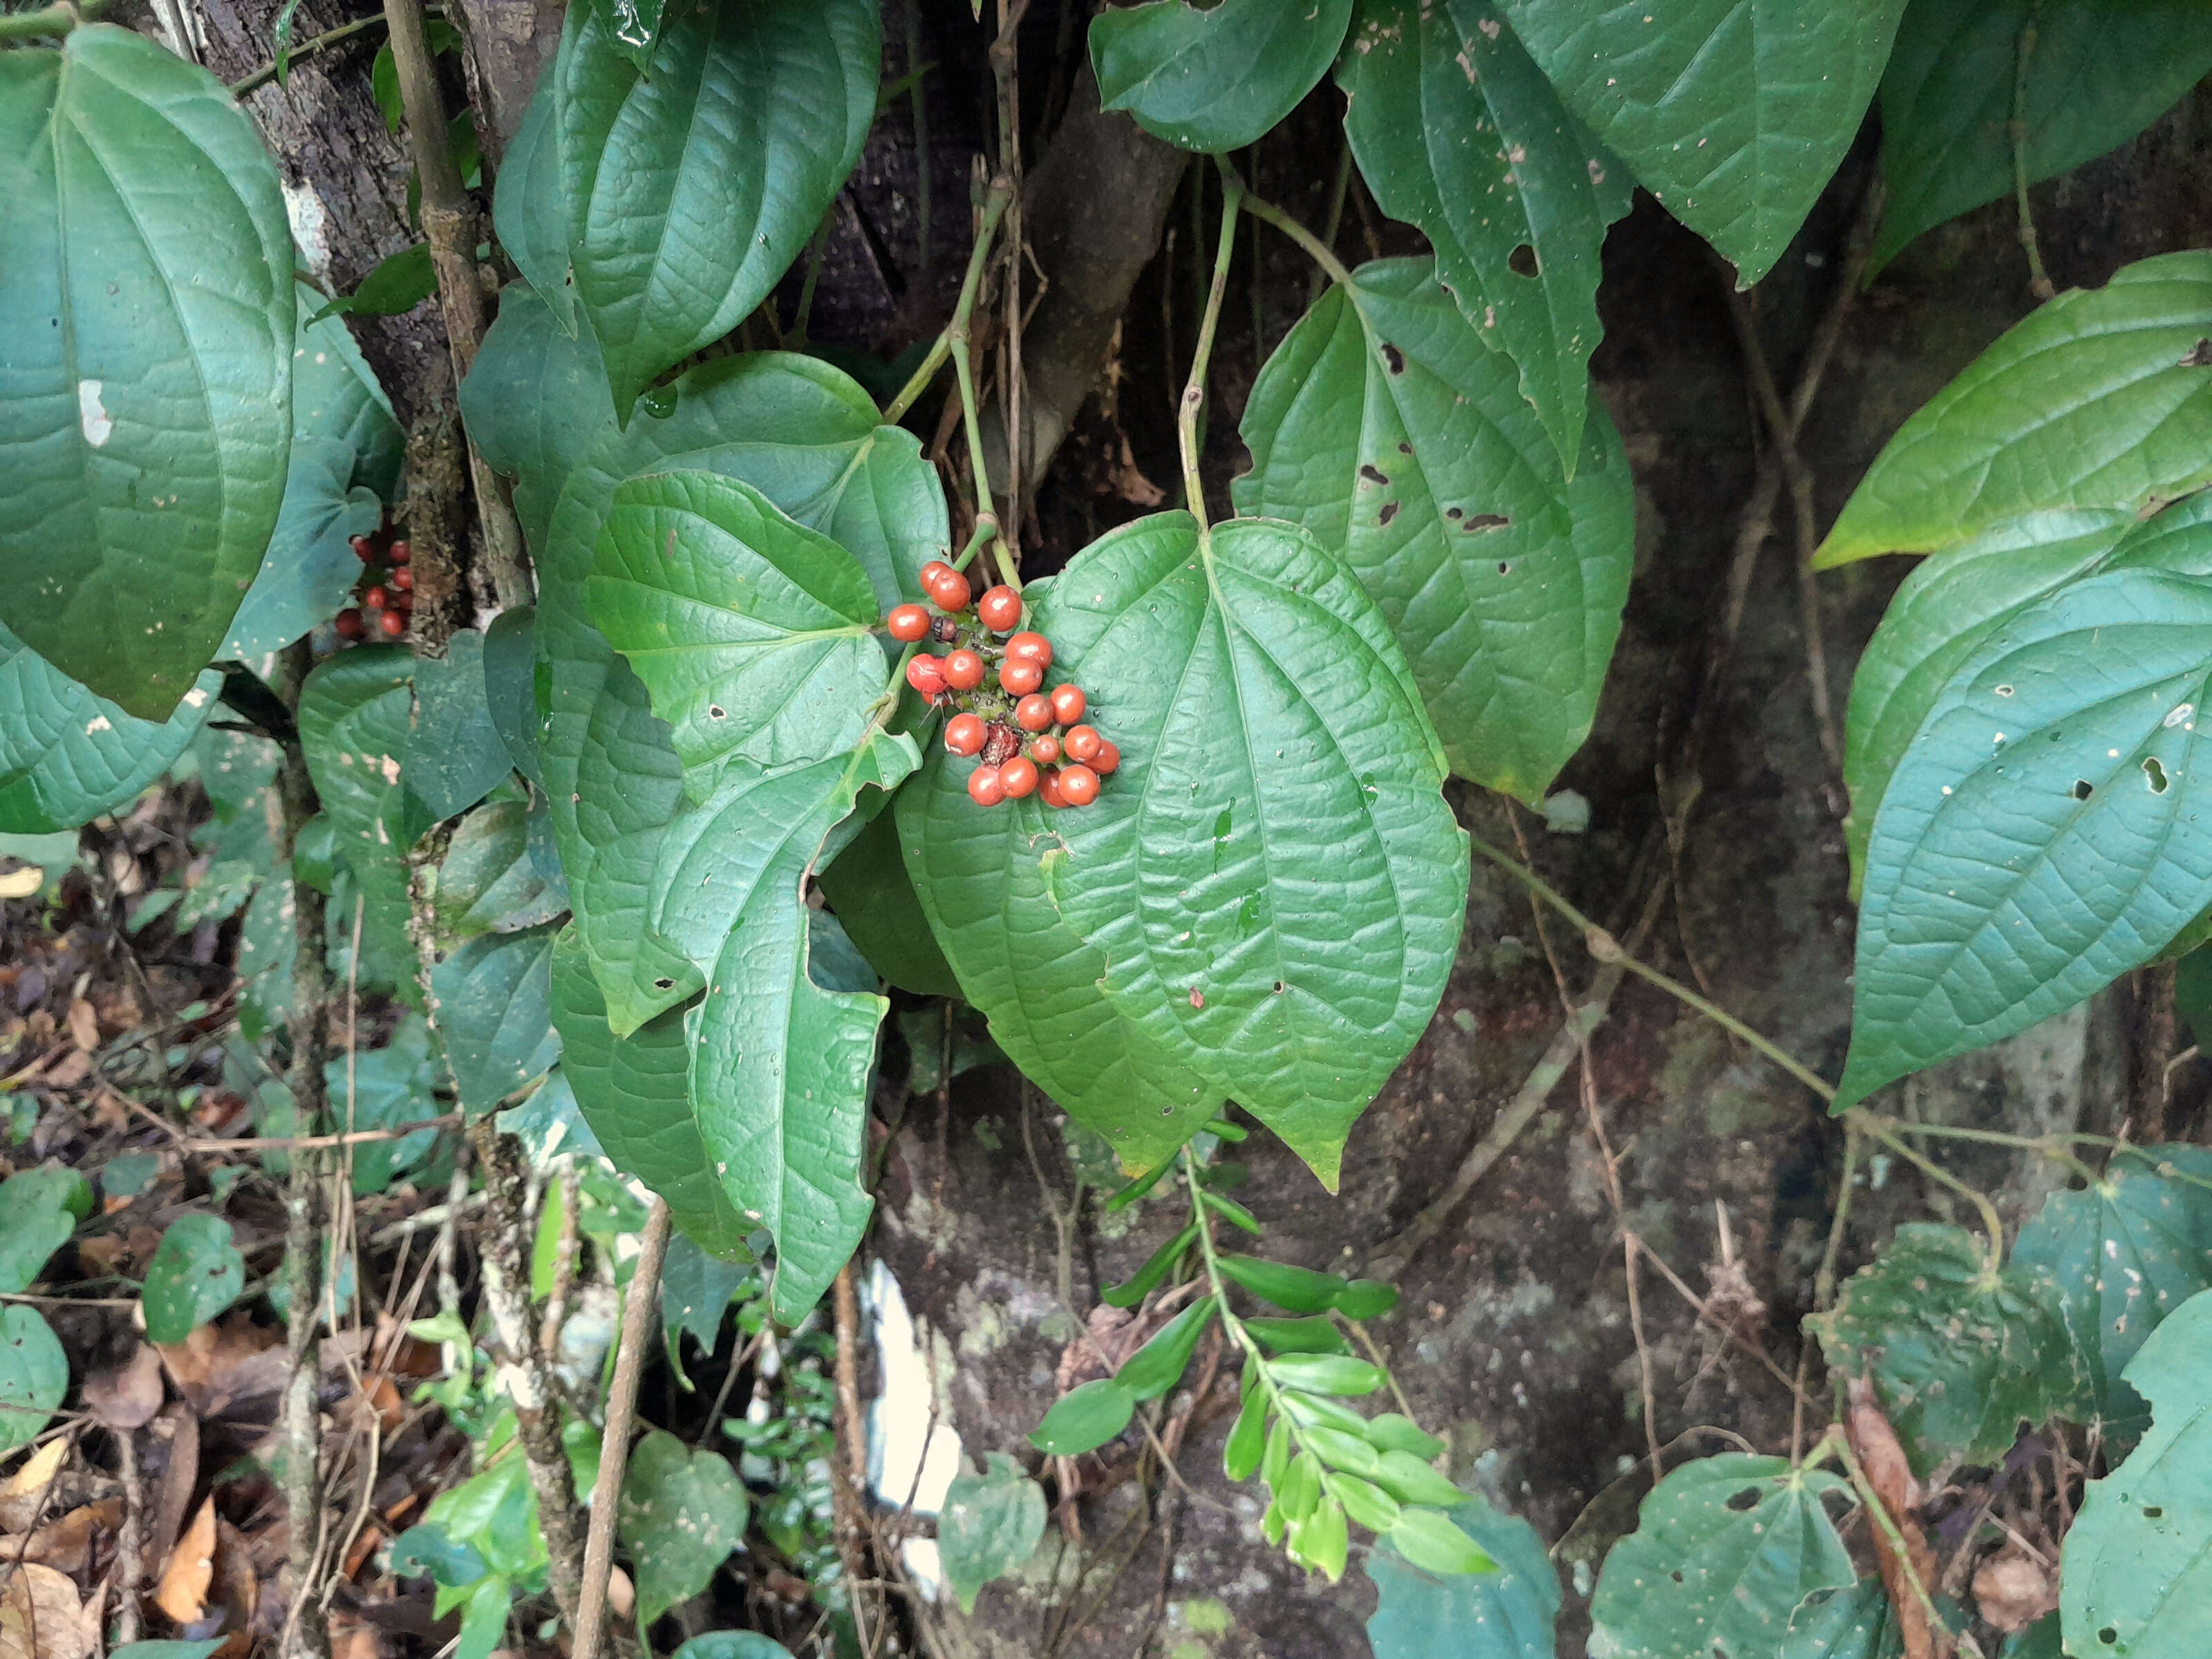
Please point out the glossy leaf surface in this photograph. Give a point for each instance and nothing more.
(1214, 80)
(1507, 1614)
(494, 1010)
(68, 756)
(534, 400)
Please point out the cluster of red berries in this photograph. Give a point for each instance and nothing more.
(1032, 741)
(385, 589)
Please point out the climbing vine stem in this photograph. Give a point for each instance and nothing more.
(995, 203)
(1194, 392)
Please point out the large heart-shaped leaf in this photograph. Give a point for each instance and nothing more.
(2099, 397)
(495, 1009)
(68, 756)
(806, 436)
(530, 208)
(146, 319)
(1274, 753)
(636, 1094)
(1724, 1549)
(1457, 131)
(2122, 1254)
(2098, 72)
(1214, 80)
(1383, 425)
(1732, 112)
(1506, 1614)
(2137, 1574)
(692, 188)
(1850, 1623)
(2040, 834)
(750, 631)
(534, 400)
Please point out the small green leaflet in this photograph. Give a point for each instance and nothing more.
(1085, 1417)
(399, 284)
(530, 213)
(2039, 835)
(1383, 425)
(2122, 1254)
(989, 1526)
(1734, 114)
(1214, 80)
(195, 1275)
(750, 632)
(1458, 132)
(34, 1376)
(494, 1010)
(1724, 1549)
(146, 318)
(691, 190)
(2137, 1563)
(2099, 397)
(40, 1209)
(1306, 765)
(1507, 1614)
(1961, 1353)
(534, 400)
(2099, 72)
(683, 1513)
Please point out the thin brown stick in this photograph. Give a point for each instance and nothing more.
(130, 1568)
(641, 1323)
(849, 1482)
(320, 1143)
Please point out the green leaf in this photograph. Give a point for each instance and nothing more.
(750, 631)
(2137, 1571)
(1306, 761)
(381, 1089)
(696, 1291)
(1214, 80)
(2039, 835)
(1366, 1298)
(495, 1512)
(1410, 1481)
(1241, 1453)
(2041, 1640)
(483, 1621)
(636, 1095)
(692, 188)
(2100, 71)
(1160, 1364)
(1734, 114)
(401, 281)
(1364, 1502)
(1300, 1488)
(989, 1526)
(1299, 1289)
(867, 886)
(356, 710)
(1327, 1373)
(1082, 1419)
(34, 1376)
(455, 755)
(146, 318)
(1456, 130)
(682, 1513)
(1321, 1541)
(1942, 615)
(1298, 1336)
(1960, 1353)
(195, 1275)
(1724, 1550)
(2122, 1254)
(495, 1009)
(1844, 1624)
(1428, 1539)
(1147, 1279)
(1393, 1432)
(1504, 1614)
(510, 664)
(534, 401)
(806, 436)
(731, 1644)
(635, 26)
(68, 757)
(488, 883)
(344, 466)
(1383, 425)
(2095, 400)
(530, 214)
(39, 1211)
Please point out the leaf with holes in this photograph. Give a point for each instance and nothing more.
(1383, 425)
(196, 1273)
(1847, 1624)
(683, 1513)
(1505, 1613)
(2099, 398)
(2137, 1575)
(1734, 114)
(989, 1526)
(2122, 1255)
(1961, 1353)
(1214, 80)
(1457, 131)
(530, 215)
(534, 401)
(146, 319)
(2039, 835)
(495, 1009)
(692, 188)
(1273, 748)
(807, 438)
(1724, 1549)
(34, 1376)
(2098, 72)
(750, 631)
(67, 755)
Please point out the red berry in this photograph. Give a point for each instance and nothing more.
(1018, 777)
(1107, 758)
(1083, 743)
(1000, 608)
(1048, 791)
(376, 599)
(950, 592)
(1068, 703)
(403, 579)
(1044, 749)
(964, 733)
(1033, 713)
(400, 553)
(403, 604)
(1020, 678)
(986, 786)
(392, 624)
(349, 624)
(1030, 647)
(361, 548)
(933, 572)
(907, 623)
(963, 671)
(926, 676)
(1078, 785)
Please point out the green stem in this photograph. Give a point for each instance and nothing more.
(1879, 1513)
(1337, 191)
(995, 208)
(815, 255)
(50, 21)
(1823, 1282)
(1194, 391)
(319, 43)
(987, 531)
(2038, 280)
(1316, 248)
(971, 417)
(2050, 1146)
